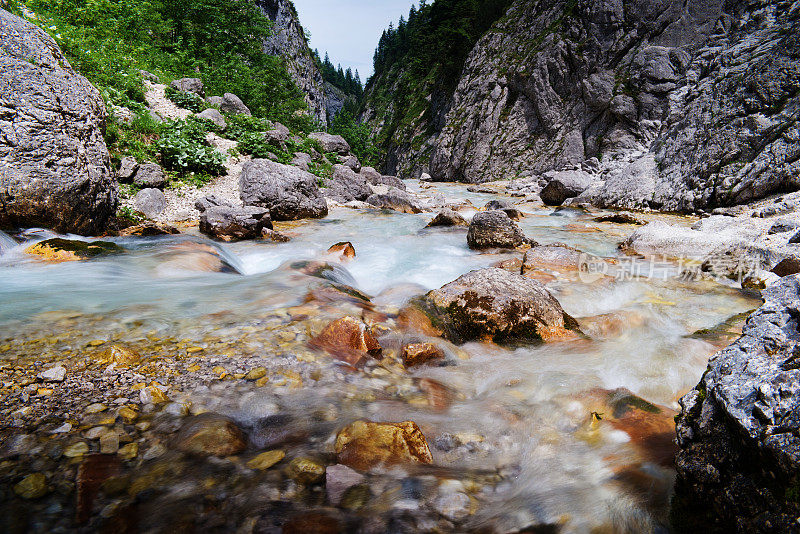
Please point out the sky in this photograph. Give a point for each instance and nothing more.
(349, 29)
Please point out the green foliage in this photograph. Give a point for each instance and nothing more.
(137, 139)
(183, 150)
(124, 212)
(186, 100)
(357, 135)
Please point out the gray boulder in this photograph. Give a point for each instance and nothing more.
(494, 229)
(395, 199)
(345, 185)
(150, 175)
(202, 204)
(302, 160)
(447, 217)
(215, 100)
(288, 192)
(739, 429)
(783, 225)
(127, 169)
(331, 143)
(232, 222)
(564, 185)
(54, 166)
(214, 116)
(495, 304)
(150, 202)
(376, 178)
(189, 85)
(352, 162)
(233, 104)
(149, 76)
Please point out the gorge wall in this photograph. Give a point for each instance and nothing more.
(288, 40)
(638, 85)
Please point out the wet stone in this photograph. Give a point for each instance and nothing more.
(363, 444)
(306, 471)
(32, 486)
(265, 460)
(210, 435)
(420, 353)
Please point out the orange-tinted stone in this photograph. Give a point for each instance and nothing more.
(345, 250)
(363, 445)
(347, 339)
(419, 353)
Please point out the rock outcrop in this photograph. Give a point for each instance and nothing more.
(288, 192)
(54, 165)
(288, 40)
(670, 105)
(739, 459)
(345, 185)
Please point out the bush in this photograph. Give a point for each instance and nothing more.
(357, 135)
(183, 149)
(186, 100)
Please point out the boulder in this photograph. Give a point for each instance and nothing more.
(395, 199)
(150, 175)
(233, 104)
(495, 304)
(233, 222)
(556, 256)
(494, 229)
(150, 202)
(213, 115)
(621, 217)
(302, 160)
(738, 428)
(148, 229)
(447, 217)
(276, 237)
(376, 178)
(54, 166)
(564, 185)
(193, 256)
(344, 249)
(127, 169)
(364, 445)
(331, 143)
(345, 185)
(420, 353)
(202, 204)
(189, 85)
(210, 435)
(288, 192)
(215, 100)
(352, 162)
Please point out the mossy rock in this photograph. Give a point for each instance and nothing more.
(58, 249)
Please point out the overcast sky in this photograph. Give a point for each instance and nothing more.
(349, 29)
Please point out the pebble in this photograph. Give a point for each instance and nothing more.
(76, 449)
(32, 486)
(265, 460)
(66, 427)
(255, 374)
(453, 506)
(129, 451)
(306, 471)
(128, 415)
(54, 374)
(97, 407)
(109, 442)
(338, 479)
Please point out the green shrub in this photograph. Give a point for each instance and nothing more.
(357, 135)
(183, 149)
(186, 100)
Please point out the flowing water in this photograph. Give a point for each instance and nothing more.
(533, 435)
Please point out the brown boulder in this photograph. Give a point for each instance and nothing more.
(364, 445)
(344, 249)
(210, 435)
(347, 339)
(419, 353)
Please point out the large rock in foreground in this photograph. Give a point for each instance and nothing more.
(54, 166)
(739, 429)
(494, 229)
(495, 304)
(288, 192)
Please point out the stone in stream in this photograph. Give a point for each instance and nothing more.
(558, 257)
(55, 170)
(58, 249)
(495, 229)
(498, 305)
(564, 185)
(331, 143)
(420, 353)
(345, 185)
(94, 470)
(738, 428)
(231, 223)
(210, 435)
(306, 471)
(363, 445)
(33, 486)
(54, 374)
(194, 256)
(347, 339)
(338, 479)
(288, 192)
(447, 217)
(621, 217)
(344, 249)
(395, 199)
(269, 234)
(376, 178)
(149, 229)
(123, 356)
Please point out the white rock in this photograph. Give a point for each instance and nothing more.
(54, 374)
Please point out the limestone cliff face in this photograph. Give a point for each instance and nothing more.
(288, 41)
(687, 104)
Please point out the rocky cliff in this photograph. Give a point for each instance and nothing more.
(739, 460)
(639, 85)
(288, 40)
